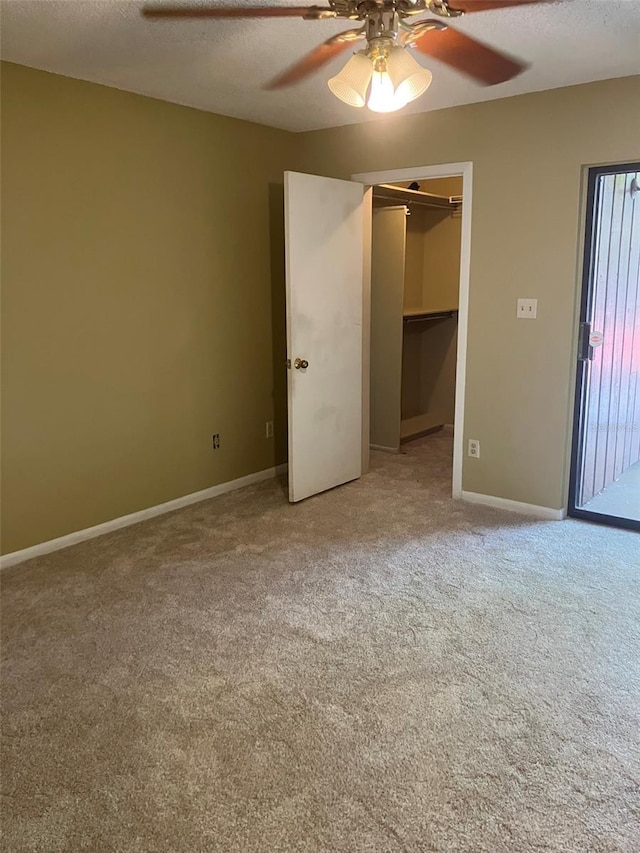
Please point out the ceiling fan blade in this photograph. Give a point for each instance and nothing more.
(163, 11)
(318, 57)
(469, 56)
(468, 6)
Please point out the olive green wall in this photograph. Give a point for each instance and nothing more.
(442, 236)
(142, 277)
(527, 155)
(414, 260)
(388, 271)
(442, 239)
(138, 244)
(429, 349)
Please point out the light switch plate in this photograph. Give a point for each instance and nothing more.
(527, 309)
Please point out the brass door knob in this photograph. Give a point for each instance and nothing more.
(300, 363)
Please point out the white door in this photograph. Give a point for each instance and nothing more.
(324, 229)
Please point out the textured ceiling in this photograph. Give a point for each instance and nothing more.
(220, 66)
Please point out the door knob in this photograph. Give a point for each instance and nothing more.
(300, 364)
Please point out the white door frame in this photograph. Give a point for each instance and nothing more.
(445, 170)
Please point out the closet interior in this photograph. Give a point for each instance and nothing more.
(415, 273)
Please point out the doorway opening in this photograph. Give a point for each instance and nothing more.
(328, 254)
(420, 236)
(605, 464)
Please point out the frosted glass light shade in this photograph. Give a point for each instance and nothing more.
(351, 84)
(408, 77)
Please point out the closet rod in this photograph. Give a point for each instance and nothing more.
(429, 315)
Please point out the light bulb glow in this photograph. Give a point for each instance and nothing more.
(383, 97)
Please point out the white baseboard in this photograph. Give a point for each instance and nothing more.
(136, 517)
(383, 449)
(514, 506)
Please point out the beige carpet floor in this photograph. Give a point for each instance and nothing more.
(376, 669)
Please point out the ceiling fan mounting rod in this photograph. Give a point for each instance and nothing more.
(385, 28)
(365, 9)
(382, 25)
(355, 10)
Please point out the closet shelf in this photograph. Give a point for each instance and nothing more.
(403, 194)
(421, 316)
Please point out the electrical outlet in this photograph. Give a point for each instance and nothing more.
(215, 440)
(269, 429)
(474, 448)
(527, 309)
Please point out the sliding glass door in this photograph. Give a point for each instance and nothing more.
(605, 472)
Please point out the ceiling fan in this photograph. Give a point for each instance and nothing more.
(384, 68)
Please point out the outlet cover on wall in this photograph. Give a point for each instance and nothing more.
(474, 448)
(527, 309)
(269, 429)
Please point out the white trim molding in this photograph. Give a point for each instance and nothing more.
(135, 517)
(384, 449)
(446, 170)
(545, 512)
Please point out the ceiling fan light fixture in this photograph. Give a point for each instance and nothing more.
(409, 78)
(385, 72)
(351, 84)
